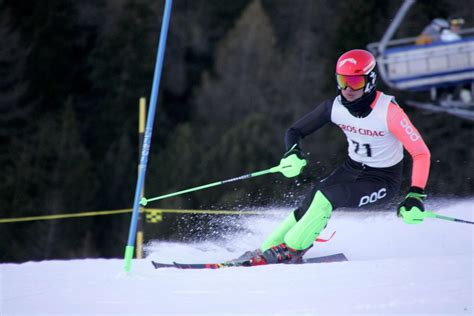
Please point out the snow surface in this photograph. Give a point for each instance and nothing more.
(394, 269)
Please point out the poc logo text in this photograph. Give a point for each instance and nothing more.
(373, 197)
(409, 130)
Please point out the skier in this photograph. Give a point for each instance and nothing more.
(432, 33)
(377, 129)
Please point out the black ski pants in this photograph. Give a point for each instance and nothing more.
(356, 185)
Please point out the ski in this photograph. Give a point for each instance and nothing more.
(158, 265)
(339, 257)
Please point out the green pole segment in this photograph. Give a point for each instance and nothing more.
(289, 167)
(144, 201)
(447, 218)
(129, 254)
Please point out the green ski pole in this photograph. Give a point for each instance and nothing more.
(289, 167)
(447, 218)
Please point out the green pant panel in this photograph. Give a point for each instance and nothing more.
(307, 229)
(277, 236)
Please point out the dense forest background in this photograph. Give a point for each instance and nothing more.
(236, 75)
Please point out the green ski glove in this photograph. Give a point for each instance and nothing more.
(293, 162)
(412, 209)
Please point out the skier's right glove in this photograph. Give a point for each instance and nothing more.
(412, 208)
(292, 162)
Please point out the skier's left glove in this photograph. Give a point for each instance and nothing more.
(412, 208)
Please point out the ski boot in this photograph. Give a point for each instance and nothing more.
(247, 255)
(283, 254)
(276, 254)
(250, 254)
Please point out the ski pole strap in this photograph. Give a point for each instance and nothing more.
(414, 193)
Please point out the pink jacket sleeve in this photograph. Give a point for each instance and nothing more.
(400, 126)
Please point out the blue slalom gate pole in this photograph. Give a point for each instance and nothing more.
(129, 249)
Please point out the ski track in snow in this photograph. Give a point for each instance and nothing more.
(394, 269)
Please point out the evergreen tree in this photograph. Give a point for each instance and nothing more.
(120, 65)
(241, 82)
(118, 172)
(57, 46)
(239, 90)
(57, 177)
(15, 108)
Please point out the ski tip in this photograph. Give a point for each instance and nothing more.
(341, 257)
(158, 265)
(338, 257)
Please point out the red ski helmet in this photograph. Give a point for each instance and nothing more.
(356, 69)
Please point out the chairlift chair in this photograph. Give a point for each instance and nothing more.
(403, 65)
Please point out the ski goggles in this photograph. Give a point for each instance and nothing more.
(355, 82)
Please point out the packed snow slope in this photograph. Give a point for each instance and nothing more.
(393, 269)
